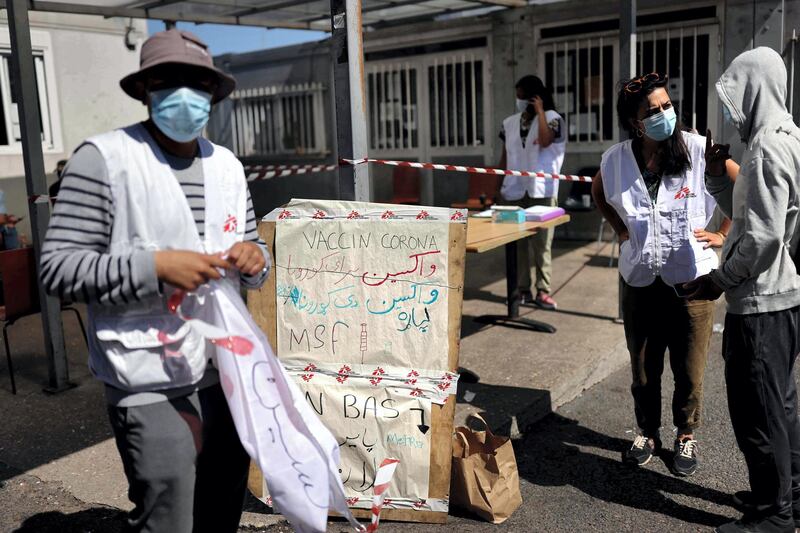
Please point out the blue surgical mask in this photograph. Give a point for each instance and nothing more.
(660, 126)
(522, 105)
(180, 113)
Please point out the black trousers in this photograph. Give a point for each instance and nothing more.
(656, 319)
(760, 352)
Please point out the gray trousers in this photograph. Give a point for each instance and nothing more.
(534, 253)
(186, 469)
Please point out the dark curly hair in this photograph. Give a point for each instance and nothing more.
(673, 153)
(533, 86)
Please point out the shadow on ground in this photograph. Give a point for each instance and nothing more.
(559, 456)
(557, 451)
(96, 519)
(499, 405)
(37, 427)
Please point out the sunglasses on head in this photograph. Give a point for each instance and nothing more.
(636, 85)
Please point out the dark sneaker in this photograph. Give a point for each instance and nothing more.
(684, 461)
(526, 297)
(641, 451)
(545, 301)
(743, 502)
(765, 525)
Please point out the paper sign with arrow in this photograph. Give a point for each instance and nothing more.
(423, 428)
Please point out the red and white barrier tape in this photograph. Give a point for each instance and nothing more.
(259, 172)
(265, 172)
(477, 170)
(383, 478)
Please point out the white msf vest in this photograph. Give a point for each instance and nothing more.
(531, 157)
(139, 345)
(662, 241)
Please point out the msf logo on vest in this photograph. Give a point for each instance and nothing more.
(230, 224)
(685, 192)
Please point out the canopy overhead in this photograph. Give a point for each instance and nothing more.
(294, 14)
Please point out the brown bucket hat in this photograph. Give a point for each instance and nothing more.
(176, 46)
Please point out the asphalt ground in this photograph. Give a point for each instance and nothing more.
(569, 463)
(572, 478)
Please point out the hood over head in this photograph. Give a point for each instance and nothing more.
(753, 88)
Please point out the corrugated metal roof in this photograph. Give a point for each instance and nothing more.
(300, 14)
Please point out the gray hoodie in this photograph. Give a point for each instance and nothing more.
(758, 273)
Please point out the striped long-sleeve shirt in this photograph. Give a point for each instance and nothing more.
(75, 258)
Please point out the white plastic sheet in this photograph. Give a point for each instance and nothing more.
(297, 454)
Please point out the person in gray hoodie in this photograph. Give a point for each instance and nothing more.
(761, 285)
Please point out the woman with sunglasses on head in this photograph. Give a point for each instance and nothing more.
(651, 189)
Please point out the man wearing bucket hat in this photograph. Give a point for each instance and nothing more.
(144, 212)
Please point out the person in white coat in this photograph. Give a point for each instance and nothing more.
(651, 188)
(534, 139)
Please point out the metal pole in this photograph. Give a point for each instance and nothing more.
(627, 43)
(348, 93)
(791, 72)
(36, 183)
(627, 66)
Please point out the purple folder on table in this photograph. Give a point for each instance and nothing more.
(542, 213)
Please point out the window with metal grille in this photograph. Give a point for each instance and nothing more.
(393, 107)
(684, 56)
(583, 92)
(10, 132)
(279, 120)
(583, 74)
(455, 89)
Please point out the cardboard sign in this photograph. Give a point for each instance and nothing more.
(364, 309)
(362, 293)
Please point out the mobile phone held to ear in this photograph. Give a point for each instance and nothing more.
(680, 291)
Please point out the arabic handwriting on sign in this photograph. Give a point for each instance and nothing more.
(367, 483)
(383, 311)
(347, 440)
(420, 259)
(416, 294)
(434, 297)
(347, 479)
(394, 302)
(367, 474)
(352, 442)
(409, 320)
(333, 263)
(311, 273)
(365, 277)
(403, 316)
(345, 274)
(350, 303)
(297, 298)
(367, 446)
(419, 267)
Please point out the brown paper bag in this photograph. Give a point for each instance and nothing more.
(485, 480)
